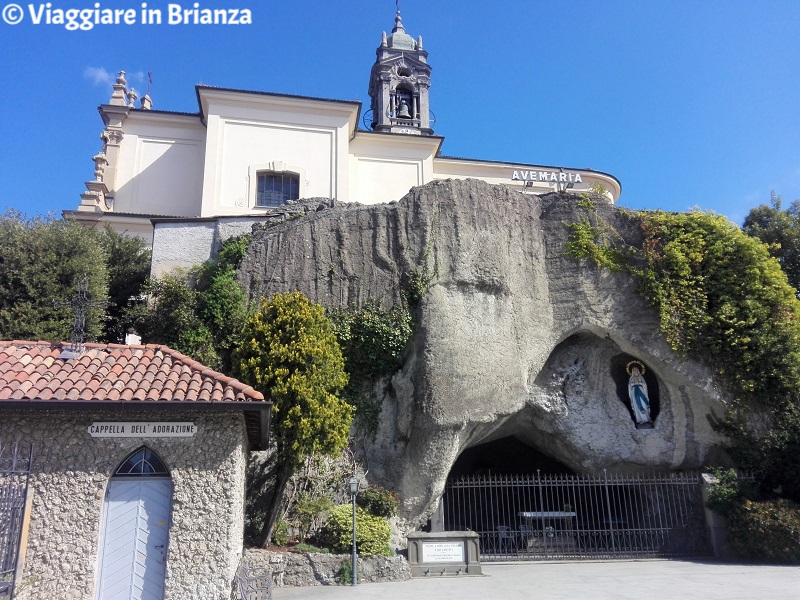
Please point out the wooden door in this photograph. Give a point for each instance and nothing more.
(135, 534)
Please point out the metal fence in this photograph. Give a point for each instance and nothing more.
(253, 583)
(15, 466)
(539, 517)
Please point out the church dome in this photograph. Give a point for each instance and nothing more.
(400, 40)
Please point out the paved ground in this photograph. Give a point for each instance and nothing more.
(618, 580)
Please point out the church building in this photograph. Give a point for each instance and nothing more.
(245, 153)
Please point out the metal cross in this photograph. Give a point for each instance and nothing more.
(81, 304)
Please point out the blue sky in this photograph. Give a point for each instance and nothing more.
(686, 103)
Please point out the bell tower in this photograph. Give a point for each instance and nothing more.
(398, 84)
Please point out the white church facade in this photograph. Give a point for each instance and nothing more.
(244, 153)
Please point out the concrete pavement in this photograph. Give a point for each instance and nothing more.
(611, 580)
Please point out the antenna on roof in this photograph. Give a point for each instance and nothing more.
(147, 102)
(81, 304)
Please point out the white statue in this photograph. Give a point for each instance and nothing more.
(637, 391)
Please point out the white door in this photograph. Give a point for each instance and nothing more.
(135, 533)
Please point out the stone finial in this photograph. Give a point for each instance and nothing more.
(132, 96)
(384, 41)
(118, 96)
(398, 23)
(100, 164)
(419, 42)
(146, 102)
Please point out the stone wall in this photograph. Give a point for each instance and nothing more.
(291, 569)
(183, 244)
(71, 471)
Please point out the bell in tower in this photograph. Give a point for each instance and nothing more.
(399, 82)
(402, 111)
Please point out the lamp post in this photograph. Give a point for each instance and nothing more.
(354, 492)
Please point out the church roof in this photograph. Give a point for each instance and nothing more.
(50, 375)
(200, 88)
(104, 373)
(399, 39)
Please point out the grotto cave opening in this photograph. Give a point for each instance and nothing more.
(506, 456)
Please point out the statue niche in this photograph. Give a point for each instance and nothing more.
(637, 388)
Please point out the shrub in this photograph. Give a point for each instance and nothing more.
(378, 501)
(281, 534)
(729, 492)
(373, 341)
(201, 312)
(766, 531)
(372, 533)
(310, 511)
(345, 573)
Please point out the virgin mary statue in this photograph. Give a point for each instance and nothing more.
(637, 391)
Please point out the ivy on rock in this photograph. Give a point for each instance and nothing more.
(723, 301)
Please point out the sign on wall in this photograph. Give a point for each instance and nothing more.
(120, 429)
(547, 176)
(437, 552)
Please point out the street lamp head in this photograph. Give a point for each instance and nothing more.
(354, 484)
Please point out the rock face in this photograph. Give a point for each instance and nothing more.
(512, 339)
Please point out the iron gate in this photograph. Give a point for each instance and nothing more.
(15, 466)
(539, 517)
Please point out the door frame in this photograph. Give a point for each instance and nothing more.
(142, 465)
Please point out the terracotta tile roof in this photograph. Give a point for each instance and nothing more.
(45, 371)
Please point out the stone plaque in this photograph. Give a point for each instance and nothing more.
(120, 429)
(437, 552)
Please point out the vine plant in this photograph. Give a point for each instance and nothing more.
(373, 341)
(418, 280)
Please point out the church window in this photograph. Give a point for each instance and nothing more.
(275, 189)
(143, 462)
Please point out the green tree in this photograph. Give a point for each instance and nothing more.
(41, 261)
(222, 305)
(200, 312)
(128, 261)
(170, 318)
(780, 230)
(290, 354)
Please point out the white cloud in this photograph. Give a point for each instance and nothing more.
(98, 76)
(138, 77)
